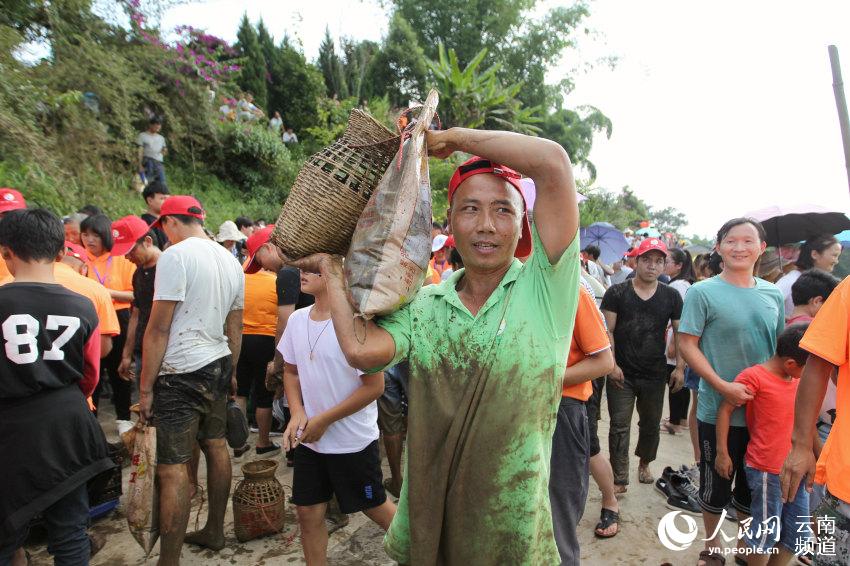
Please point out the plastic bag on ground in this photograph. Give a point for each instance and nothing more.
(142, 502)
(388, 258)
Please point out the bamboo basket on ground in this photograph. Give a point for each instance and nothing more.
(332, 190)
(258, 501)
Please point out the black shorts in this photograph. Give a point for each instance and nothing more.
(592, 406)
(257, 352)
(356, 479)
(715, 491)
(189, 407)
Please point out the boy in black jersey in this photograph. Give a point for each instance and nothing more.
(48, 365)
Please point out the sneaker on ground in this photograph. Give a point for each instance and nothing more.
(239, 452)
(254, 429)
(269, 450)
(692, 472)
(662, 484)
(275, 433)
(685, 503)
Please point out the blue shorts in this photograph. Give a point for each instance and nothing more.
(774, 522)
(692, 379)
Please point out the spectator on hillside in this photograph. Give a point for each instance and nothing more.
(289, 136)
(227, 110)
(246, 109)
(276, 123)
(152, 150)
(155, 194)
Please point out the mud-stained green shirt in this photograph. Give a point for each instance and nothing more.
(483, 397)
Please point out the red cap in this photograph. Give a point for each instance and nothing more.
(75, 250)
(476, 165)
(450, 242)
(126, 232)
(180, 204)
(254, 243)
(10, 199)
(648, 245)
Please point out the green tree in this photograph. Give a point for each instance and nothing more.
(331, 68)
(474, 99)
(296, 87)
(574, 130)
(399, 68)
(357, 55)
(623, 210)
(526, 47)
(253, 77)
(668, 219)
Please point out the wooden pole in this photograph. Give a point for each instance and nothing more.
(841, 103)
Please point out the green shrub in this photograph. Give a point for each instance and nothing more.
(254, 159)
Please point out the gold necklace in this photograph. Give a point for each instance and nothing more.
(313, 346)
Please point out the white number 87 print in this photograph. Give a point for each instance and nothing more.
(22, 347)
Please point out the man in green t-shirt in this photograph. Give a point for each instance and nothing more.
(487, 351)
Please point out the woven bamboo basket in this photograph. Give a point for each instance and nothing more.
(258, 501)
(332, 190)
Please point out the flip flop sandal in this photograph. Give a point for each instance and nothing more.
(606, 519)
(711, 559)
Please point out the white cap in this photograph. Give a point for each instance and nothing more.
(439, 242)
(229, 231)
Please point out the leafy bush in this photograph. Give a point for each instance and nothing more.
(254, 159)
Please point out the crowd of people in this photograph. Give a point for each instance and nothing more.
(491, 378)
(243, 109)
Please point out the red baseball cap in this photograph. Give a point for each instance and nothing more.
(75, 250)
(254, 243)
(476, 165)
(126, 232)
(180, 204)
(649, 245)
(10, 199)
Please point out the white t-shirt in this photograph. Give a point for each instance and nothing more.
(595, 270)
(785, 283)
(289, 137)
(208, 283)
(151, 144)
(620, 276)
(326, 381)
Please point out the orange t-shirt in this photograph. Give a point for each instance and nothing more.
(828, 337)
(113, 272)
(95, 292)
(260, 313)
(589, 337)
(4, 271)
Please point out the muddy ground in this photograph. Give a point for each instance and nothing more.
(360, 541)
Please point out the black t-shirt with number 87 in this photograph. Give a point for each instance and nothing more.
(51, 339)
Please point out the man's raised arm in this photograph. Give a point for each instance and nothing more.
(546, 162)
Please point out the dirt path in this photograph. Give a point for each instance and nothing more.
(360, 541)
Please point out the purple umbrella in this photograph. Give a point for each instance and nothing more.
(792, 224)
(610, 241)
